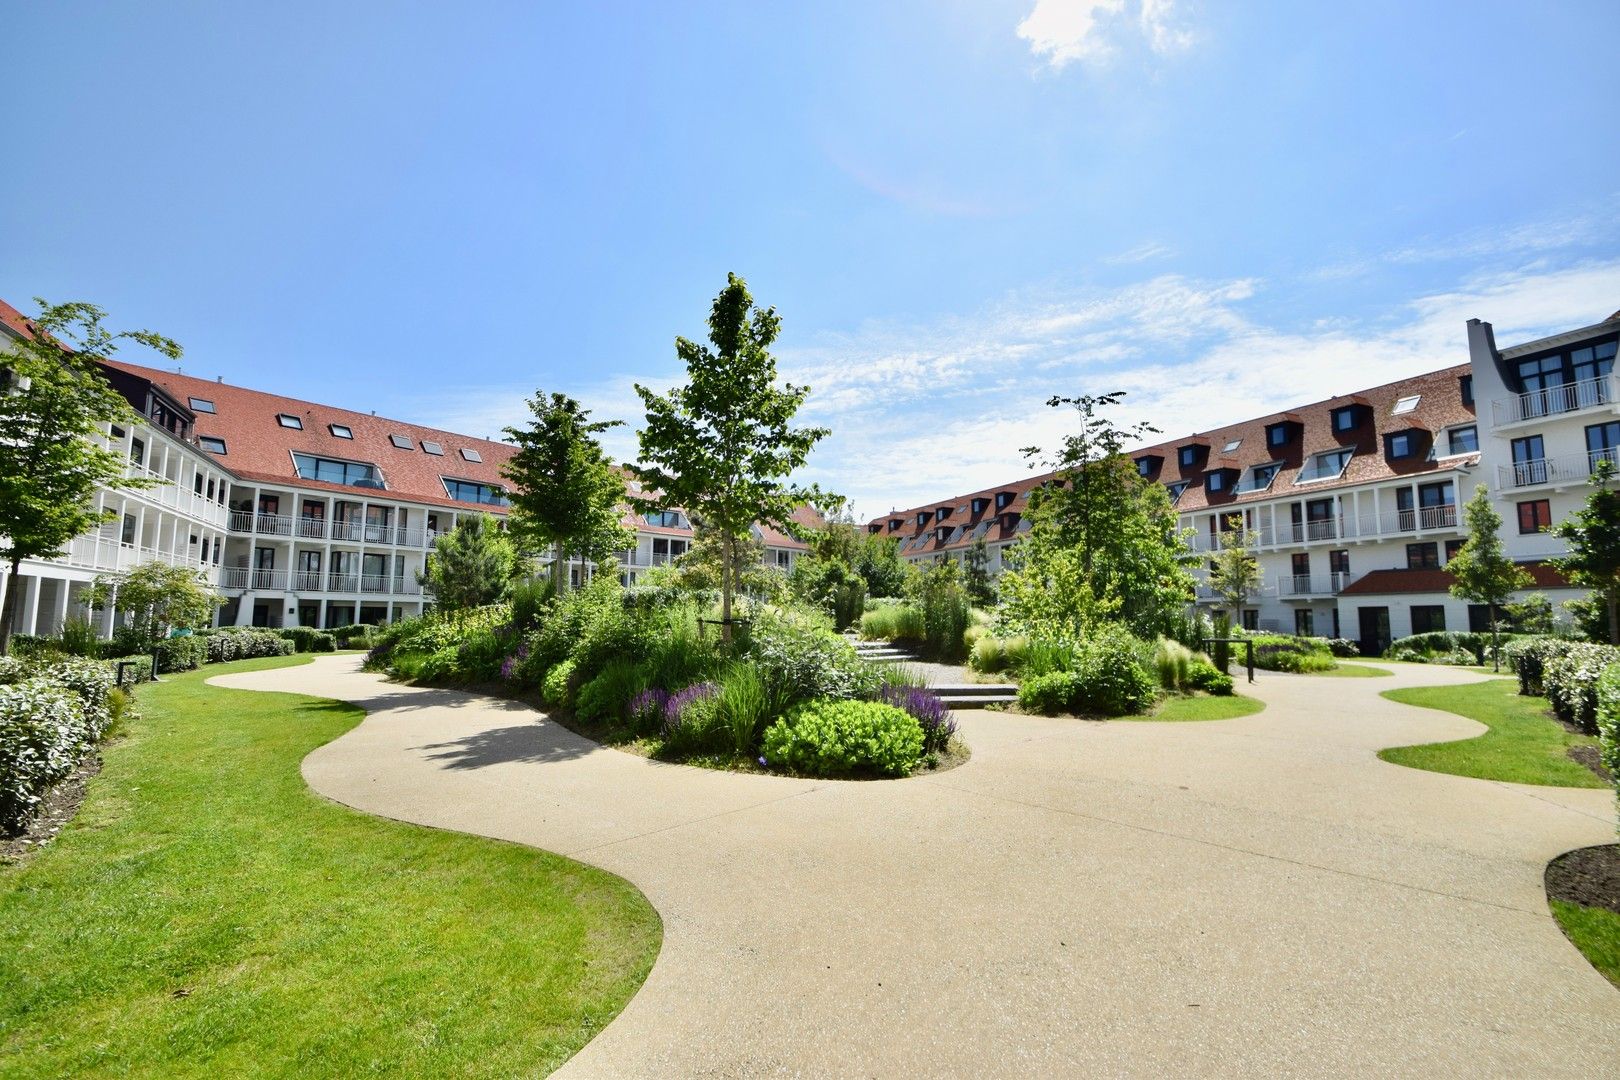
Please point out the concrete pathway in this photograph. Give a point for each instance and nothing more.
(1242, 897)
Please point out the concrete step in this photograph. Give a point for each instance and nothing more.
(975, 690)
(978, 701)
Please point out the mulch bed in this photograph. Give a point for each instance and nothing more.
(1590, 757)
(55, 811)
(1587, 876)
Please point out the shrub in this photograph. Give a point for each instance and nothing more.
(302, 637)
(41, 738)
(246, 644)
(744, 706)
(1048, 694)
(1528, 658)
(1570, 679)
(801, 660)
(1111, 678)
(346, 636)
(945, 611)
(324, 642)
(1343, 648)
(180, 654)
(1443, 646)
(608, 694)
(1608, 724)
(677, 654)
(1173, 662)
(1201, 675)
(139, 670)
(692, 720)
(79, 638)
(892, 622)
(1042, 657)
(992, 654)
(930, 712)
(529, 602)
(557, 689)
(842, 738)
(1282, 652)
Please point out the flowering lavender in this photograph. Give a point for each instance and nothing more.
(681, 699)
(510, 664)
(647, 708)
(931, 713)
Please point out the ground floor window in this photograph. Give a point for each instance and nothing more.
(1427, 618)
(1305, 622)
(1251, 619)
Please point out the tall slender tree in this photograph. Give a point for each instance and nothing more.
(54, 405)
(1481, 571)
(471, 565)
(723, 446)
(568, 496)
(1235, 573)
(1593, 533)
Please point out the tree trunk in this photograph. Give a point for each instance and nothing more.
(725, 589)
(559, 571)
(1496, 642)
(13, 583)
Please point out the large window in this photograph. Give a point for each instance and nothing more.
(1424, 556)
(1529, 461)
(333, 471)
(674, 519)
(1304, 622)
(1326, 466)
(1603, 442)
(1463, 440)
(1176, 489)
(1535, 516)
(468, 491)
(1427, 618)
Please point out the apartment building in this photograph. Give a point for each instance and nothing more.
(299, 513)
(1353, 503)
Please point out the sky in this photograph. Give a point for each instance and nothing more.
(959, 209)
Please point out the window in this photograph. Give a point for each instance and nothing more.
(137, 451)
(468, 491)
(1583, 365)
(127, 537)
(942, 513)
(1305, 622)
(197, 483)
(1251, 619)
(1328, 466)
(1338, 562)
(1402, 445)
(471, 455)
(1535, 516)
(1276, 435)
(1428, 618)
(1405, 405)
(1463, 440)
(1187, 456)
(1003, 498)
(1452, 547)
(290, 421)
(333, 471)
(1301, 563)
(1479, 619)
(340, 431)
(1465, 386)
(1344, 419)
(1144, 466)
(922, 517)
(401, 442)
(1265, 474)
(1529, 461)
(979, 505)
(1424, 556)
(1603, 443)
(665, 519)
(1215, 481)
(1176, 489)
(211, 444)
(1232, 446)
(199, 404)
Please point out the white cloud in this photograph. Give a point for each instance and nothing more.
(1143, 252)
(1062, 32)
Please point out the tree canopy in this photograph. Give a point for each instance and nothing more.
(158, 597)
(567, 497)
(471, 565)
(54, 405)
(1593, 534)
(1235, 574)
(1481, 571)
(723, 446)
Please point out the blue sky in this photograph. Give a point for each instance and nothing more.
(960, 209)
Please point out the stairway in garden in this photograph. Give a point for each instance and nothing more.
(947, 681)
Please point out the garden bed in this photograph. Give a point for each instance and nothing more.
(1583, 891)
(56, 809)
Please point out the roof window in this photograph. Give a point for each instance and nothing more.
(1231, 446)
(340, 431)
(471, 455)
(1406, 404)
(288, 420)
(431, 447)
(401, 442)
(199, 404)
(211, 444)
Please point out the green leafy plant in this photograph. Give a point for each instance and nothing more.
(744, 704)
(841, 738)
(1048, 694)
(607, 695)
(556, 689)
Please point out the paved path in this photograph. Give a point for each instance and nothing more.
(1252, 896)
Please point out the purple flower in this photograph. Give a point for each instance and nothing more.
(931, 713)
(648, 706)
(678, 702)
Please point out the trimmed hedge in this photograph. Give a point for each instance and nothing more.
(247, 644)
(1608, 724)
(1570, 677)
(840, 738)
(51, 713)
(180, 654)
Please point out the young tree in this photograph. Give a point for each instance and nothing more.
(976, 575)
(53, 402)
(879, 562)
(567, 495)
(1593, 534)
(722, 446)
(700, 567)
(471, 565)
(1481, 571)
(1235, 574)
(158, 597)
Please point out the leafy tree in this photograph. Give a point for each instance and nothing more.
(1481, 571)
(700, 567)
(879, 562)
(568, 495)
(471, 565)
(1532, 615)
(1593, 534)
(976, 575)
(722, 446)
(53, 404)
(1235, 573)
(158, 597)
(1098, 522)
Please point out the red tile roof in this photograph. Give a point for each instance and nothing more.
(1439, 406)
(1397, 582)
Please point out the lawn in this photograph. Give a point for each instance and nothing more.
(1594, 931)
(208, 915)
(1523, 746)
(1179, 707)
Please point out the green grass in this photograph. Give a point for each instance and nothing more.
(206, 914)
(1594, 931)
(1523, 746)
(1354, 671)
(1178, 707)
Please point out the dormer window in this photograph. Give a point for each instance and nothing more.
(1345, 419)
(1144, 467)
(895, 523)
(1176, 489)
(942, 532)
(1280, 434)
(1003, 498)
(979, 505)
(874, 528)
(1262, 476)
(1192, 455)
(942, 513)
(1402, 444)
(1465, 387)
(1215, 481)
(288, 420)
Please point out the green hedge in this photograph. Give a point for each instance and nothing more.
(841, 738)
(180, 654)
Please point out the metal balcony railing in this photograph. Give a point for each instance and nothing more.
(1565, 469)
(315, 528)
(1556, 400)
(1330, 584)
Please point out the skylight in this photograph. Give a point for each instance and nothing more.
(340, 431)
(199, 404)
(472, 455)
(290, 421)
(401, 442)
(1231, 446)
(431, 447)
(1406, 405)
(211, 444)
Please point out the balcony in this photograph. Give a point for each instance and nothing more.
(314, 528)
(1599, 393)
(1312, 585)
(1342, 528)
(244, 578)
(1568, 470)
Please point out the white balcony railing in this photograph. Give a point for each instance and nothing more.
(1342, 527)
(1556, 400)
(1330, 584)
(245, 578)
(314, 528)
(1565, 470)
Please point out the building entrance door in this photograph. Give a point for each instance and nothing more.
(1374, 630)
